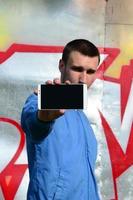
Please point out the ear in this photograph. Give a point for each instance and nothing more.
(61, 66)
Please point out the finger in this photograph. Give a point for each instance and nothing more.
(48, 82)
(54, 114)
(56, 81)
(62, 111)
(36, 91)
(59, 113)
(67, 82)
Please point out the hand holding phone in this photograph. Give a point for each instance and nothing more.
(49, 115)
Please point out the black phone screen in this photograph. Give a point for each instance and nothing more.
(62, 96)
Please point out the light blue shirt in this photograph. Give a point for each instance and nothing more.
(61, 155)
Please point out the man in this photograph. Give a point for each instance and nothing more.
(61, 145)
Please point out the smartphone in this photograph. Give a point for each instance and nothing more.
(63, 96)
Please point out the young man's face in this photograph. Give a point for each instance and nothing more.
(79, 68)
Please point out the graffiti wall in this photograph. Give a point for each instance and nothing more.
(32, 36)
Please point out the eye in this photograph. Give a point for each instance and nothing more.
(77, 69)
(91, 71)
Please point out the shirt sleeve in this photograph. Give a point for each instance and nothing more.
(30, 123)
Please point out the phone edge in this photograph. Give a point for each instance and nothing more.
(39, 97)
(84, 96)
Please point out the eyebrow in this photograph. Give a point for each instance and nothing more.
(80, 69)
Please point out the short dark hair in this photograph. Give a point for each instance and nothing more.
(83, 46)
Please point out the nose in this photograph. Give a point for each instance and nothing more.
(83, 77)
